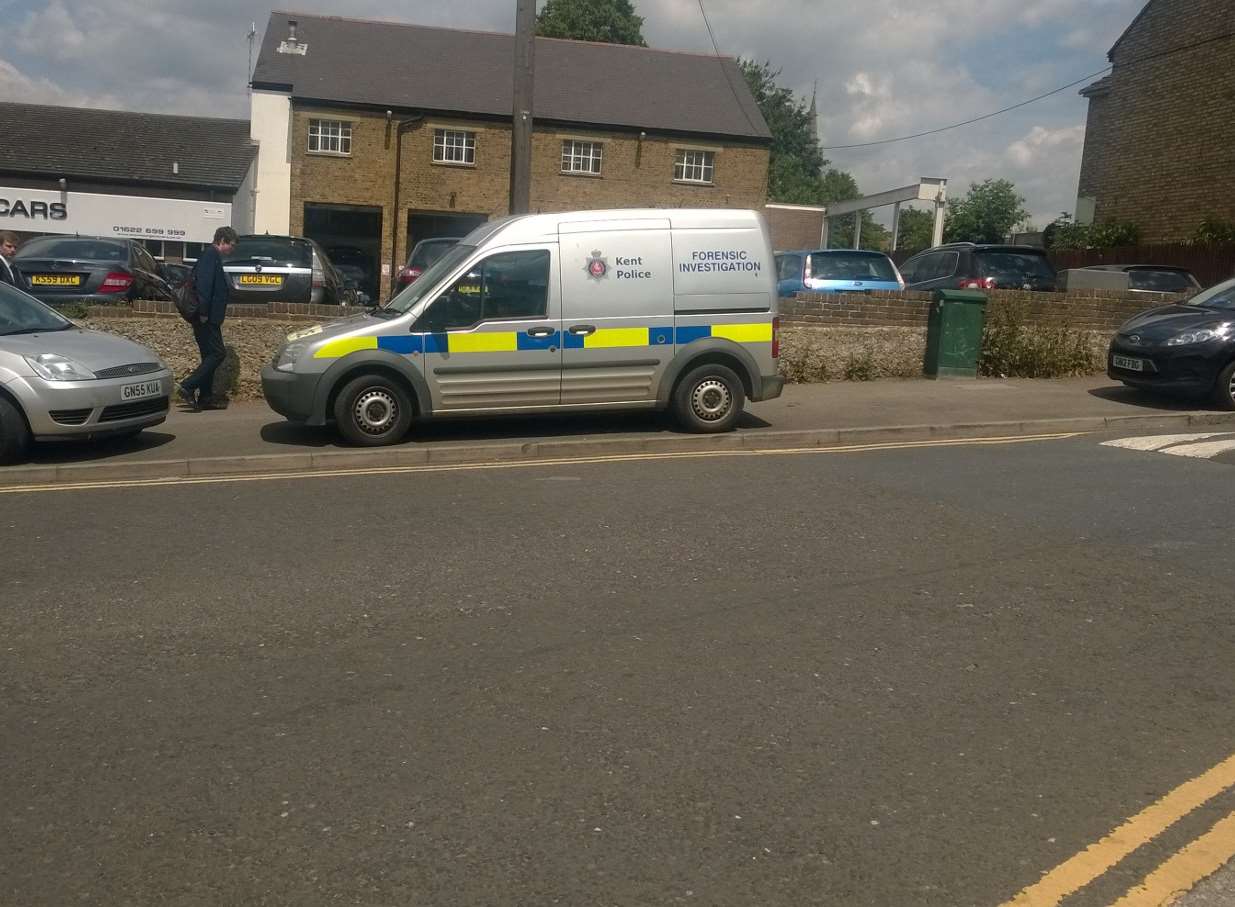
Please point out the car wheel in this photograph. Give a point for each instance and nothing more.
(709, 399)
(373, 410)
(14, 433)
(1224, 387)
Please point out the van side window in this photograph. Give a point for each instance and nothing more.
(506, 286)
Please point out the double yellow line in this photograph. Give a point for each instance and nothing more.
(1171, 880)
(172, 482)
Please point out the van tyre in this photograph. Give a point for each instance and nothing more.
(1224, 387)
(14, 433)
(709, 399)
(373, 410)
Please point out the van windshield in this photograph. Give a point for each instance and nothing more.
(427, 281)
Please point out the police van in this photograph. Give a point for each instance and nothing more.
(581, 311)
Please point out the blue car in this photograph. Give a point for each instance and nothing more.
(835, 271)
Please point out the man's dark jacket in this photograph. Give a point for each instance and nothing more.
(211, 283)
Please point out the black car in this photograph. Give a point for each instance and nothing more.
(65, 269)
(1130, 278)
(979, 266)
(264, 268)
(1187, 348)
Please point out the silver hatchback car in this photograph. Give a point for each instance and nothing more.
(58, 380)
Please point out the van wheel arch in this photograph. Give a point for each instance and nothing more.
(371, 368)
(715, 357)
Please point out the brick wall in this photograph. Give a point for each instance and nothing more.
(1087, 310)
(1158, 152)
(635, 173)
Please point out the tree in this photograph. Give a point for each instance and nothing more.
(986, 214)
(839, 186)
(917, 230)
(606, 21)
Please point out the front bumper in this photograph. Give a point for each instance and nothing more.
(1190, 369)
(769, 389)
(289, 394)
(88, 409)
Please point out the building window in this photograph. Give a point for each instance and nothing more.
(581, 157)
(330, 137)
(454, 146)
(192, 250)
(694, 166)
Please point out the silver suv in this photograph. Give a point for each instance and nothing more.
(58, 380)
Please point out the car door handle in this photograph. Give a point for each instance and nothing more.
(541, 332)
(582, 330)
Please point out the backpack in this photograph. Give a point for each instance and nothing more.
(188, 304)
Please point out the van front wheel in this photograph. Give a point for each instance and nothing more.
(373, 410)
(709, 399)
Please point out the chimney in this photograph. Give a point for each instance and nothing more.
(291, 45)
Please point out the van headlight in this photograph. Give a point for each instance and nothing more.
(286, 360)
(54, 367)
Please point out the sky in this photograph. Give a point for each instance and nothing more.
(884, 68)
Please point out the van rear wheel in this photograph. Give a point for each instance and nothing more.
(373, 410)
(709, 399)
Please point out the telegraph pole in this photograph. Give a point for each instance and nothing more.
(521, 127)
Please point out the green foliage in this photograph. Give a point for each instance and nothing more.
(1215, 231)
(606, 21)
(1064, 233)
(1012, 347)
(796, 161)
(861, 366)
(917, 230)
(74, 311)
(987, 213)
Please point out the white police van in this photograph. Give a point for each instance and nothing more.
(587, 310)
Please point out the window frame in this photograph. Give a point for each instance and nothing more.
(425, 322)
(681, 159)
(342, 137)
(570, 153)
(468, 146)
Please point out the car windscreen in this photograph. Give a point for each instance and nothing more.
(841, 266)
(22, 314)
(1160, 281)
(1221, 296)
(1013, 267)
(427, 253)
(453, 257)
(274, 250)
(73, 247)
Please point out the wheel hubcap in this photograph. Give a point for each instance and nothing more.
(376, 411)
(711, 400)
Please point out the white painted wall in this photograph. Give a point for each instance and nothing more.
(270, 125)
(242, 204)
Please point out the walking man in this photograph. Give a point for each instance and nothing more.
(211, 284)
(8, 248)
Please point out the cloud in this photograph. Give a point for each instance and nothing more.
(1041, 142)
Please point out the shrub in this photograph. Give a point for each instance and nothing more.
(1215, 231)
(861, 366)
(1012, 347)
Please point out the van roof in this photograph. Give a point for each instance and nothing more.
(538, 227)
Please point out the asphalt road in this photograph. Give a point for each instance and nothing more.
(920, 676)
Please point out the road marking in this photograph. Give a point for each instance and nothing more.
(1177, 876)
(1202, 451)
(1158, 442)
(1074, 874)
(523, 464)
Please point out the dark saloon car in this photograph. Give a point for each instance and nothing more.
(65, 269)
(264, 268)
(1186, 348)
(1130, 278)
(424, 254)
(979, 266)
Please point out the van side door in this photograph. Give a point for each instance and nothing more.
(617, 310)
(492, 339)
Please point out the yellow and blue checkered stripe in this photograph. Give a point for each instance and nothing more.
(514, 341)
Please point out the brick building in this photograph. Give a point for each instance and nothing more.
(1157, 145)
(373, 135)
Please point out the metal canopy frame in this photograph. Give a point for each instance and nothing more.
(927, 189)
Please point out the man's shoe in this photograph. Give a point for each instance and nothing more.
(186, 397)
(212, 404)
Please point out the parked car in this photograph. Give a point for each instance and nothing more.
(1132, 278)
(65, 269)
(1187, 347)
(979, 266)
(356, 265)
(175, 272)
(423, 255)
(835, 271)
(264, 268)
(60, 381)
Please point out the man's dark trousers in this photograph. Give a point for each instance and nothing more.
(209, 339)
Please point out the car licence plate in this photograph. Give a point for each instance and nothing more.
(261, 280)
(55, 280)
(139, 391)
(1132, 365)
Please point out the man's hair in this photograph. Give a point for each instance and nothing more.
(225, 234)
(8, 236)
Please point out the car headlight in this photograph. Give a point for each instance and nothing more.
(1201, 335)
(53, 367)
(286, 360)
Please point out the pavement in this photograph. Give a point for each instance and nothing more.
(250, 438)
(917, 674)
